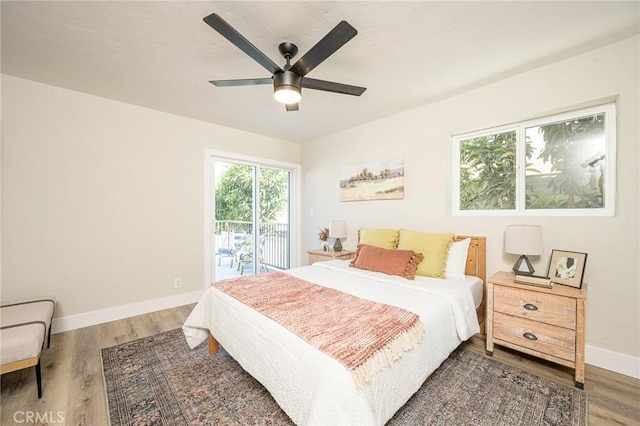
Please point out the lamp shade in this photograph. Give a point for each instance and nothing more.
(523, 239)
(338, 229)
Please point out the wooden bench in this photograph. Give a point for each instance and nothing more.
(25, 325)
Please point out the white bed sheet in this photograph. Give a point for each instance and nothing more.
(310, 386)
(473, 284)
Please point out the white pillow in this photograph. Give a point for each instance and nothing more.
(457, 259)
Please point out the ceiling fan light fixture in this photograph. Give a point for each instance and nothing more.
(287, 87)
(287, 95)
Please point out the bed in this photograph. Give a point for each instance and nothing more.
(314, 388)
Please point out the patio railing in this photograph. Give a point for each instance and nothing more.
(274, 240)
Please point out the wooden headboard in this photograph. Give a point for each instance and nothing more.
(477, 266)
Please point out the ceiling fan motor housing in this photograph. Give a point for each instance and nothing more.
(288, 81)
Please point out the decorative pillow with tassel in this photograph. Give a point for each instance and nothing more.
(402, 263)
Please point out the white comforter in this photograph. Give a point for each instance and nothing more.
(310, 386)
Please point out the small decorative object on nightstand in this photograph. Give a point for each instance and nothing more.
(543, 322)
(538, 280)
(323, 235)
(320, 256)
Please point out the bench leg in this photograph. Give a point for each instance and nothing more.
(39, 379)
(49, 338)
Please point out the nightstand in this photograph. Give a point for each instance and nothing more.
(543, 322)
(320, 255)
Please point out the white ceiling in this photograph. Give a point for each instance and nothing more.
(161, 54)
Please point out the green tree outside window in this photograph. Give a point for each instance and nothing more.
(234, 194)
(559, 163)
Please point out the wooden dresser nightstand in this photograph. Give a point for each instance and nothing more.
(543, 322)
(320, 255)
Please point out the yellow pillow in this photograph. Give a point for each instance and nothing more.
(433, 246)
(385, 238)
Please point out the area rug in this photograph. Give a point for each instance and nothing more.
(158, 380)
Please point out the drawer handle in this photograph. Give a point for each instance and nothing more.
(530, 336)
(530, 307)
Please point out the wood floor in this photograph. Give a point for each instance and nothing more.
(73, 387)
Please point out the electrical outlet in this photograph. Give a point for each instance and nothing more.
(177, 282)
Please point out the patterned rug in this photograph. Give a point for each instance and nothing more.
(158, 380)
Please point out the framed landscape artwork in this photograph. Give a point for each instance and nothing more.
(375, 180)
(567, 267)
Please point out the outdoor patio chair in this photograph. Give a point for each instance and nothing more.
(232, 252)
(245, 257)
(229, 252)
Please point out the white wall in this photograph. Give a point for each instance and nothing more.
(102, 201)
(423, 137)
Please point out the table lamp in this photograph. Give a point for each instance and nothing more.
(523, 240)
(337, 230)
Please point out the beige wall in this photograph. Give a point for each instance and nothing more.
(422, 137)
(103, 202)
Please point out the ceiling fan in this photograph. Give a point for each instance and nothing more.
(289, 80)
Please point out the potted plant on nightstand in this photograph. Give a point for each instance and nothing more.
(323, 235)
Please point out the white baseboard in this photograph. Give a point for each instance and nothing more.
(86, 319)
(613, 361)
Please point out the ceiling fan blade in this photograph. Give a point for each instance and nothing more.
(291, 107)
(228, 32)
(330, 86)
(334, 40)
(241, 82)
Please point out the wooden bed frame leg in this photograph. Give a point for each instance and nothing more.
(213, 345)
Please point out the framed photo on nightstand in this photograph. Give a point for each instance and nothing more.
(567, 267)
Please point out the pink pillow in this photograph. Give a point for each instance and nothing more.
(402, 263)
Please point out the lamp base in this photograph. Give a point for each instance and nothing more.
(523, 266)
(337, 246)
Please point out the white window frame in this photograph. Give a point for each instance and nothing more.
(609, 178)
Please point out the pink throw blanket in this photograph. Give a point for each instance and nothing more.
(364, 336)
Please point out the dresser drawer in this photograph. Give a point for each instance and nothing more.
(542, 307)
(548, 339)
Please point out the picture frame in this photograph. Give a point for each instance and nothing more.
(567, 267)
(373, 180)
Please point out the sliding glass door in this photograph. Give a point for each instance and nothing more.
(251, 223)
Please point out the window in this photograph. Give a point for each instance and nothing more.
(562, 165)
